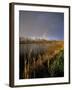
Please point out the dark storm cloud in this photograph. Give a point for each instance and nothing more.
(39, 24)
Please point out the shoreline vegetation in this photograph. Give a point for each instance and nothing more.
(37, 40)
(40, 58)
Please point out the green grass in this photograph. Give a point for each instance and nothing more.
(56, 68)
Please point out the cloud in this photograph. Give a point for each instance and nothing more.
(45, 35)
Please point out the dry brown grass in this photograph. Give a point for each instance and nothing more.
(37, 61)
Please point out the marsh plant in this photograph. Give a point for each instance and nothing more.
(39, 60)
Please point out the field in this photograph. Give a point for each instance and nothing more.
(41, 58)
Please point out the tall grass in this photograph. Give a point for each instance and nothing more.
(41, 60)
(56, 68)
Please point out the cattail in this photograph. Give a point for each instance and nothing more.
(29, 56)
(40, 62)
(25, 71)
(29, 53)
(34, 66)
(48, 63)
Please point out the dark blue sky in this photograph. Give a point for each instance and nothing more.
(49, 25)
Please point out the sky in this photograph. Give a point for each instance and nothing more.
(47, 25)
